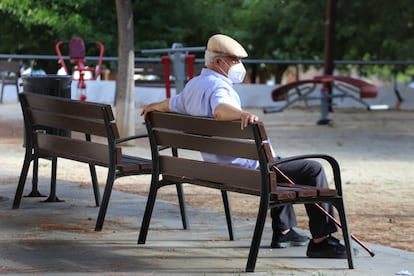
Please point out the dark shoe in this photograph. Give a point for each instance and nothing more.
(290, 239)
(328, 248)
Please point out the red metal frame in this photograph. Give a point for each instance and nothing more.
(166, 60)
(77, 53)
(190, 65)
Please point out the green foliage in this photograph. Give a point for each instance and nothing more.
(35, 26)
(270, 29)
(186, 22)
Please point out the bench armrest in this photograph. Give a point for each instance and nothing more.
(332, 161)
(132, 137)
(137, 136)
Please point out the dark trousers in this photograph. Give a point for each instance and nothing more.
(304, 172)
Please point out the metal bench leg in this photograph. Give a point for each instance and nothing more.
(22, 180)
(35, 180)
(227, 210)
(147, 214)
(345, 232)
(181, 201)
(52, 196)
(95, 185)
(105, 200)
(257, 235)
(94, 178)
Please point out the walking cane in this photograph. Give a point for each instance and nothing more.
(328, 215)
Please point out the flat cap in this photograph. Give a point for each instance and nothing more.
(224, 44)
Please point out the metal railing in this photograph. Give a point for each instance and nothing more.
(199, 60)
(254, 63)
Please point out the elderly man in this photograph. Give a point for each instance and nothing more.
(211, 94)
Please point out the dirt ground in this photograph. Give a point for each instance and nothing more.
(375, 151)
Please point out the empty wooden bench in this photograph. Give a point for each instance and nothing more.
(202, 134)
(80, 131)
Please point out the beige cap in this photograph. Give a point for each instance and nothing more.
(225, 45)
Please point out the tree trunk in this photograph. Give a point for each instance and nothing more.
(125, 88)
(329, 46)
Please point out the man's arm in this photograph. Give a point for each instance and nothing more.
(163, 106)
(226, 112)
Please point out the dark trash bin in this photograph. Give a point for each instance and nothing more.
(51, 85)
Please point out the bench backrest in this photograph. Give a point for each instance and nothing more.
(60, 127)
(208, 135)
(10, 66)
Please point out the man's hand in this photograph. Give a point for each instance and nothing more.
(247, 118)
(226, 112)
(160, 106)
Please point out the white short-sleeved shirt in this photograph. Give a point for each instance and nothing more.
(200, 97)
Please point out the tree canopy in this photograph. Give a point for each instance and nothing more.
(270, 29)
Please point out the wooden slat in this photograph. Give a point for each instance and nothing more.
(282, 195)
(68, 122)
(308, 191)
(78, 150)
(327, 192)
(300, 192)
(202, 126)
(67, 106)
(231, 147)
(135, 164)
(227, 177)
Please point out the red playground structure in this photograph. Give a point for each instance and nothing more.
(80, 71)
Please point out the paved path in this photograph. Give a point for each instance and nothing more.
(52, 238)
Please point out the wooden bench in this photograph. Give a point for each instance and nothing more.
(9, 75)
(300, 90)
(93, 139)
(202, 134)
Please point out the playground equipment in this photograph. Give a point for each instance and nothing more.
(343, 87)
(80, 71)
(180, 58)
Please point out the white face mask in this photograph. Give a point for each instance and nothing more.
(237, 73)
